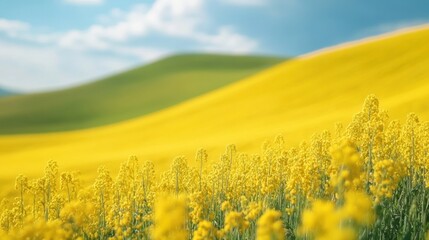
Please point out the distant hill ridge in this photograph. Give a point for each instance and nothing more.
(127, 95)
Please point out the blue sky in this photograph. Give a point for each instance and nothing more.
(50, 44)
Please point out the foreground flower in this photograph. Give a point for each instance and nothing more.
(326, 221)
(270, 226)
(205, 231)
(170, 219)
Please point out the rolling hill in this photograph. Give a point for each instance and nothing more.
(127, 95)
(296, 98)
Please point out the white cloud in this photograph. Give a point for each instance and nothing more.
(182, 19)
(246, 2)
(226, 40)
(98, 36)
(172, 18)
(12, 27)
(145, 54)
(84, 2)
(176, 17)
(29, 68)
(61, 59)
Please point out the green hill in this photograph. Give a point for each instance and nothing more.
(126, 95)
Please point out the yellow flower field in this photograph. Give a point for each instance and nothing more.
(366, 180)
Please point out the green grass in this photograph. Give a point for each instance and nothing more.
(127, 95)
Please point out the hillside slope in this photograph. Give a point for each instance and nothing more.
(127, 95)
(296, 99)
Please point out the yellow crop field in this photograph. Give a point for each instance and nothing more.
(281, 100)
(367, 180)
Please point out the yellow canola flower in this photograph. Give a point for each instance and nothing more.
(320, 220)
(226, 206)
(358, 207)
(326, 221)
(387, 175)
(270, 226)
(77, 212)
(205, 231)
(170, 219)
(46, 230)
(80, 215)
(235, 220)
(253, 210)
(346, 167)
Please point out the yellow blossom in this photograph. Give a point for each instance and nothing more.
(270, 226)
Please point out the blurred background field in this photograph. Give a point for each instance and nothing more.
(163, 78)
(296, 98)
(126, 95)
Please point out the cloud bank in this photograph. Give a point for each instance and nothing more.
(42, 61)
